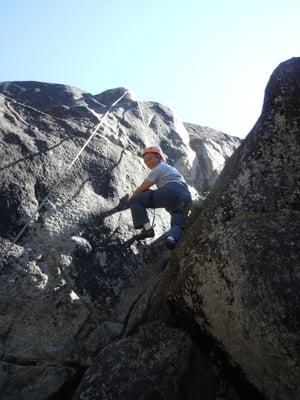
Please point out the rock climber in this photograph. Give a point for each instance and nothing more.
(172, 193)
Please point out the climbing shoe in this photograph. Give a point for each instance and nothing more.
(144, 234)
(170, 243)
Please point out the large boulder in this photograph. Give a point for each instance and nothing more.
(235, 275)
(69, 280)
(148, 365)
(29, 382)
(213, 148)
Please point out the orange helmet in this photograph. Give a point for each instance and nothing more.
(154, 150)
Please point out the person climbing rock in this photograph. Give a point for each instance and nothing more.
(172, 193)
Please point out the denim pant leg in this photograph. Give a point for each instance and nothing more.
(179, 216)
(177, 222)
(168, 197)
(162, 198)
(138, 205)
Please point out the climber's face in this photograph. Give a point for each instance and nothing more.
(151, 160)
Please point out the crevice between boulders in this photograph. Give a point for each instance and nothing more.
(226, 369)
(68, 389)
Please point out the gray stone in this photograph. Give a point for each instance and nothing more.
(71, 284)
(148, 365)
(33, 382)
(213, 148)
(235, 275)
(81, 246)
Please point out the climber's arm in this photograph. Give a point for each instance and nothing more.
(144, 186)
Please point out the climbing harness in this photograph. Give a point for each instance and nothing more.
(101, 120)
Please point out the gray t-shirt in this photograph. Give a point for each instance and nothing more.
(164, 173)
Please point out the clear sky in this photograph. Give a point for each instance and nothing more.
(207, 60)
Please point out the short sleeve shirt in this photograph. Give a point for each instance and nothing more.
(164, 173)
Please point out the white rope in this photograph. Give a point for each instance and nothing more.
(66, 171)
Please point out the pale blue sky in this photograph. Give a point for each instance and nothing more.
(207, 60)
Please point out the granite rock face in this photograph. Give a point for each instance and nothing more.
(28, 382)
(148, 365)
(70, 283)
(235, 275)
(76, 297)
(213, 149)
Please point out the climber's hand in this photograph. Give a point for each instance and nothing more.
(124, 202)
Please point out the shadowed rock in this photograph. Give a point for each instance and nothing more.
(148, 365)
(235, 276)
(71, 283)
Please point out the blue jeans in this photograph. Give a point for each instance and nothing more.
(174, 197)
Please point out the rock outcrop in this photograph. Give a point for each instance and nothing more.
(213, 149)
(70, 285)
(83, 314)
(235, 275)
(148, 365)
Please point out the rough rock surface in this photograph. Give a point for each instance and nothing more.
(213, 149)
(236, 275)
(29, 382)
(149, 365)
(69, 285)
